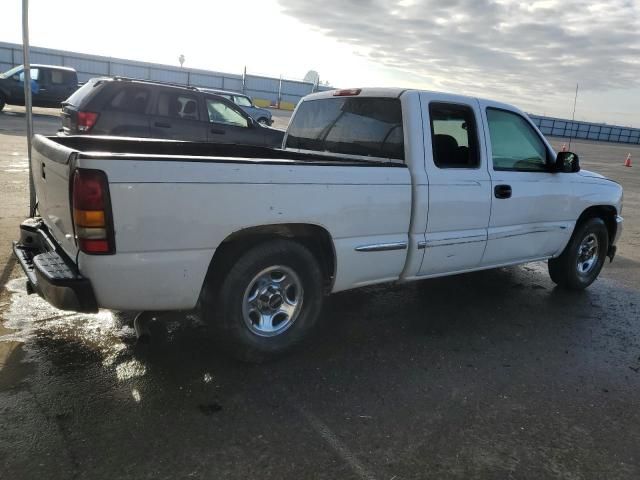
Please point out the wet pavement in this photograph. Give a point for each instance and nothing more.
(494, 374)
(490, 375)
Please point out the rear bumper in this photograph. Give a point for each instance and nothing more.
(51, 274)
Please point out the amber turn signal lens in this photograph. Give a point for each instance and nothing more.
(89, 218)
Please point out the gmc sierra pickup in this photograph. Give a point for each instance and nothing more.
(372, 185)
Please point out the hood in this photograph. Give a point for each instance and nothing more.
(590, 174)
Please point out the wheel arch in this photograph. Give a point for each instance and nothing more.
(315, 237)
(607, 213)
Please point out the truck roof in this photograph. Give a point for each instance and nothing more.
(395, 92)
(224, 92)
(54, 67)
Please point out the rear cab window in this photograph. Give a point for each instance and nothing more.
(359, 126)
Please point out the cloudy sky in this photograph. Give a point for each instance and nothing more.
(531, 53)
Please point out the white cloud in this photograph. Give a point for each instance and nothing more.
(526, 52)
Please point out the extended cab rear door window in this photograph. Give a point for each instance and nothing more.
(454, 136)
(363, 126)
(515, 145)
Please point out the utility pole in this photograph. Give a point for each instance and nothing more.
(27, 100)
(573, 116)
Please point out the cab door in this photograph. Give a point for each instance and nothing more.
(531, 214)
(459, 187)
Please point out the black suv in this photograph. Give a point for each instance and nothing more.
(141, 108)
(50, 85)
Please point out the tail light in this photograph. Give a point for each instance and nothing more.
(92, 212)
(86, 121)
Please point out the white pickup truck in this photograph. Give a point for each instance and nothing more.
(372, 185)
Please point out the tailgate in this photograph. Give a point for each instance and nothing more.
(51, 165)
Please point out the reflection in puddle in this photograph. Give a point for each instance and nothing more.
(29, 318)
(136, 395)
(130, 369)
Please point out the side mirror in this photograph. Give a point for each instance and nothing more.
(567, 162)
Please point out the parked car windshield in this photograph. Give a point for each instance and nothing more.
(12, 72)
(243, 101)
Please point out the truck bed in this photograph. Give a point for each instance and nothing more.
(152, 149)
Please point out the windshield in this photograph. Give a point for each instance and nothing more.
(243, 101)
(12, 72)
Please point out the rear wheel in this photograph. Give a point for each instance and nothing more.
(583, 258)
(267, 301)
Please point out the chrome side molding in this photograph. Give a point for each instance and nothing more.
(382, 247)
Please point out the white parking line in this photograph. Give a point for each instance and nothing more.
(334, 442)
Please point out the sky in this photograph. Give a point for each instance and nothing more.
(529, 53)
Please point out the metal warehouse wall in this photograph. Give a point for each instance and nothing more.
(264, 90)
(558, 127)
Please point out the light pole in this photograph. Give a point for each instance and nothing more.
(27, 100)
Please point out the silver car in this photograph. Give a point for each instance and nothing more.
(261, 115)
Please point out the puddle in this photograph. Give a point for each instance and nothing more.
(30, 321)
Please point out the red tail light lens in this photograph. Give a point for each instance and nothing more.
(92, 212)
(86, 121)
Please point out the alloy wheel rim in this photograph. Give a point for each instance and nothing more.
(588, 253)
(272, 301)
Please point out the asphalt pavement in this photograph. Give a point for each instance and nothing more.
(489, 375)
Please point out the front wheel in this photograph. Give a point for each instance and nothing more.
(268, 300)
(263, 121)
(583, 258)
(3, 102)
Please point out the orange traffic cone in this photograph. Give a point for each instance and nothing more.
(627, 162)
(564, 147)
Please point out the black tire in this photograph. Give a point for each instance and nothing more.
(565, 270)
(263, 121)
(3, 102)
(224, 303)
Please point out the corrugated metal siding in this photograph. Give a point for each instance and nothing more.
(558, 127)
(268, 89)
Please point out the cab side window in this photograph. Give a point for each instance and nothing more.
(453, 136)
(178, 105)
(219, 112)
(57, 77)
(34, 73)
(130, 99)
(515, 145)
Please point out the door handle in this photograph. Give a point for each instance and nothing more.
(44, 175)
(502, 191)
(162, 125)
(218, 131)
